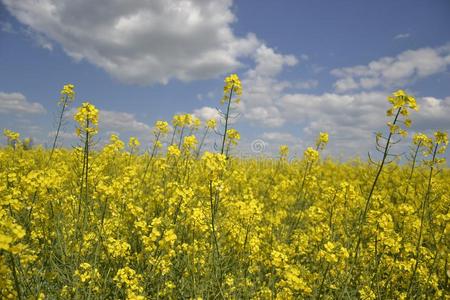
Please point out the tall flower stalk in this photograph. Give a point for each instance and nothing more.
(87, 119)
(434, 147)
(67, 97)
(232, 88)
(401, 103)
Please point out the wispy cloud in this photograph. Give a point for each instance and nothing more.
(38, 39)
(402, 36)
(6, 27)
(306, 85)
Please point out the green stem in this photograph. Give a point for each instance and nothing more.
(422, 217)
(372, 189)
(226, 120)
(58, 128)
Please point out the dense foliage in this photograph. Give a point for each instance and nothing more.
(175, 223)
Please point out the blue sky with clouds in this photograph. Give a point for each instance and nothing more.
(306, 66)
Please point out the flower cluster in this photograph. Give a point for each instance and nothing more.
(87, 119)
(11, 136)
(284, 151)
(401, 103)
(175, 222)
(67, 93)
(232, 85)
(162, 127)
(311, 154)
(322, 140)
(233, 136)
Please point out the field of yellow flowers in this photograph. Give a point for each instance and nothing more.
(176, 222)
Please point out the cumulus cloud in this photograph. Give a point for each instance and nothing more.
(263, 88)
(142, 42)
(122, 122)
(17, 104)
(434, 114)
(350, 119)
(206, 113)
(408, 66)
(279, 137)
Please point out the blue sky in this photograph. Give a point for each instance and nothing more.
(306, 66)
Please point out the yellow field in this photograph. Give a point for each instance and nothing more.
(174, 223)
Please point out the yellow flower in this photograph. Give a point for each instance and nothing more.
(177, 120)
(322, 140)
(420, 138)
(182, 120)
(170, 237)
(311, 154)
(67, 91)
(366, 293)
(87, 119)
(401, 99)
(441, 137)
(233, 136)
(11, 135)
(190, 142)
(196, 122)
(116, 142)
(211, 123)
(173, 150)
(133, 143)
(232, 85)
(162, 127)
(214, 163)
(128, 279)
(284, 150)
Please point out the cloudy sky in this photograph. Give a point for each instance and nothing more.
(306, 66)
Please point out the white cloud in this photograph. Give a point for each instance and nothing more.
(121, 121)
(263, 88)
(433, 115)
(142, 42)
(330, 109)
(348, 83)
(350, 119)
(206, 113)
(280, 137)
(408, 66)
(118, 122)
(269, 116)
(17, 104)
